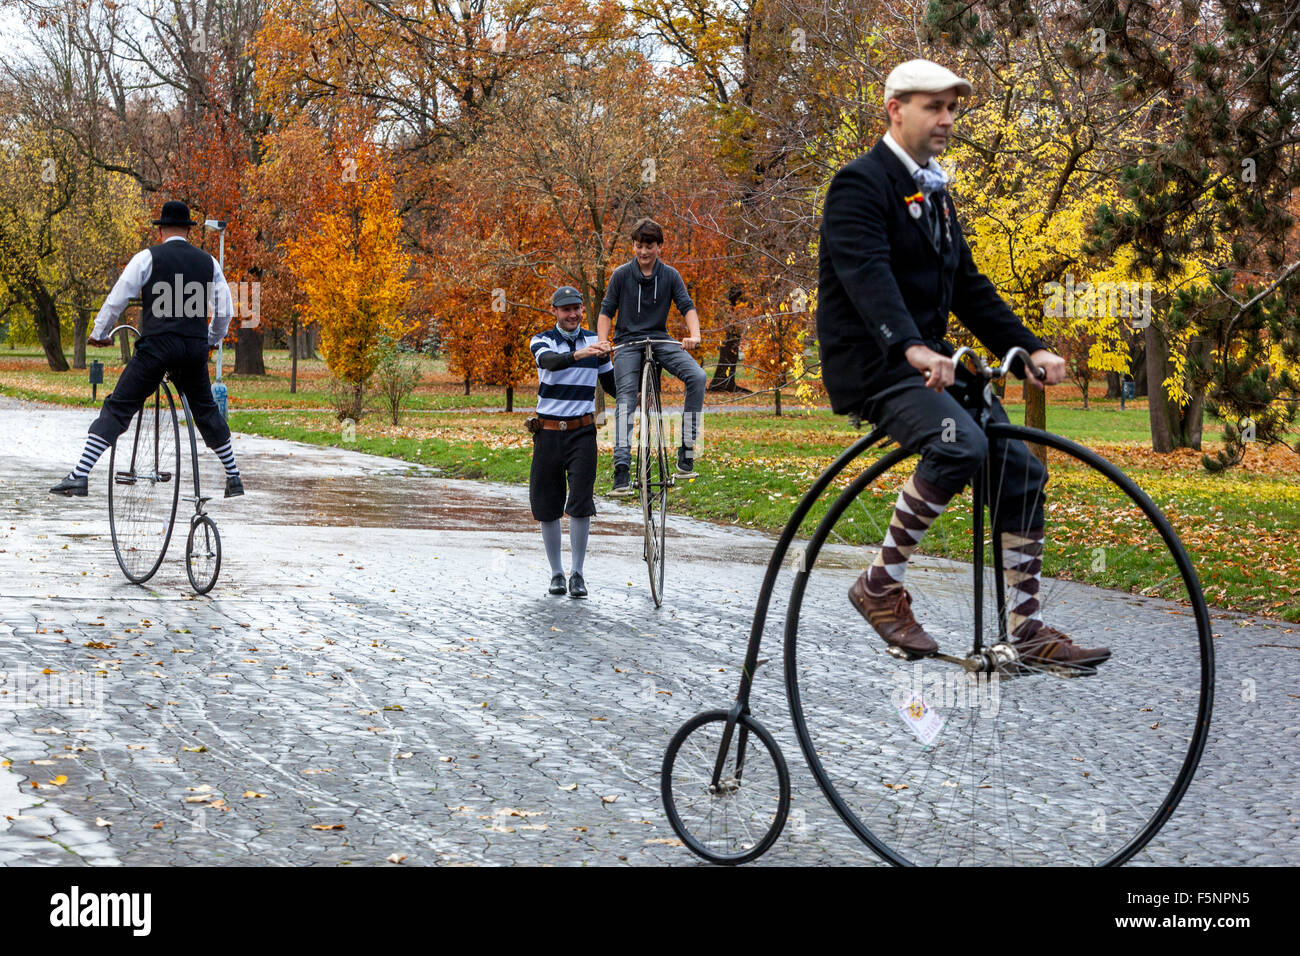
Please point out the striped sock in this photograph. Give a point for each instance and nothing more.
(1022, 564)
(95, 446)
(227, 456)
(918, 505)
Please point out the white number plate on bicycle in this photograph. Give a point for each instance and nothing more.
(923, 719)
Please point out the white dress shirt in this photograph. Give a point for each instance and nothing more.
(908, 161)
(133, 279)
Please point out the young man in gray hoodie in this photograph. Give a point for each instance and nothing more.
(640, 294)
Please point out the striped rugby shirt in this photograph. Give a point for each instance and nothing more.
(569, 391)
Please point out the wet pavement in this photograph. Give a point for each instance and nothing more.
(380, 673)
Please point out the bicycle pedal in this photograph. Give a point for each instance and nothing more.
(124, 478)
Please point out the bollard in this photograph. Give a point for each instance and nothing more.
(96, 377)
(219, 396)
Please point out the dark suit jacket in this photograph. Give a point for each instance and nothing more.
(884, 286)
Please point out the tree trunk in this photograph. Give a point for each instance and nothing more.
(1084, 388)
(510, 398)
(124, 347)
(1113, 385)
(46, 318)
(778, 403)
(313, 342)
(80, 326)
(293, 348)
(467, 385)
(1035, 416)
(1157, 405)
(248, 352)
(724, 375)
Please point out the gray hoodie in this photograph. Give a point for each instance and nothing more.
(641, 303)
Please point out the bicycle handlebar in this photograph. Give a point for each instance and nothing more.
(1003, 368)
(119, 328)
(638, 343)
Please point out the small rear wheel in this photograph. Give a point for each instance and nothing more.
(733, 813)
(203, 554)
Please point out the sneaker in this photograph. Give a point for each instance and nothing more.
(1045, 647)
(557, 584)
(622, 482)
(685, 462)
(891, 616)
(234, 487)
(577, 586)
(69, 486)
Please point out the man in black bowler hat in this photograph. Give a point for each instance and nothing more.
(182, 290)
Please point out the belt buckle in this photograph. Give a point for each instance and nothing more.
(563, 426)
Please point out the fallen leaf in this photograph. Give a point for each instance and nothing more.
(666, 841)
(328, 826)
(101, 822)
(395, 857)
(253, 795)
(569, 786)
(609, 799)
(60, 780)
(196, 750)
(156, 826)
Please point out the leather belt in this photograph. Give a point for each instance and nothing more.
(567, 423)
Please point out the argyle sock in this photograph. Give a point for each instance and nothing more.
(579, 529)
(1022, 563)
(918, 505)
(551, 535)
(227, 456)
(95, 446)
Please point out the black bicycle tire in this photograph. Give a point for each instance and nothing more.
(176, 491)
(189, 552)
(1158, 521)
(670, 808)
(647, 459)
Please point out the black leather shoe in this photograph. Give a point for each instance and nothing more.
(577, 586)
(685, 462)
(557, 584)
(70, 486)
(234, 487)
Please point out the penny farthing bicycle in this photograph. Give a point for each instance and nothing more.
(144, 492)
(653, 472)
(977, 755)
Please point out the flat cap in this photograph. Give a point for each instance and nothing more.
(923, 76)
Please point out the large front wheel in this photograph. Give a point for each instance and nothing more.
(932, 763)
(144, 469)
(653, 478)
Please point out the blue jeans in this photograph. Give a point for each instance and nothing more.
(627, 378)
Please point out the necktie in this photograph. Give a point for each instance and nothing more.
(931, 182)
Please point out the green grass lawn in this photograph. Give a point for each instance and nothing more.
(1242, 527)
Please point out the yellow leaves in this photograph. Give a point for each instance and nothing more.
(329, 826)
(59, 781)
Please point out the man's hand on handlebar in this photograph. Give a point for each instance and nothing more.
(938, 369)
(1052, 366)
(596, 348)
(99, 343)
(691, 343)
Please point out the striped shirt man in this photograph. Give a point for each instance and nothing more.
(567, 389)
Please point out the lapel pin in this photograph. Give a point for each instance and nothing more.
(914, 204)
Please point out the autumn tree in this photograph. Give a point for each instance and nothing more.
(353, 272)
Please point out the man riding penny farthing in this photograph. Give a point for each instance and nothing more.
(181, 288)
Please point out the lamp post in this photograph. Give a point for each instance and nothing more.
(219, 387)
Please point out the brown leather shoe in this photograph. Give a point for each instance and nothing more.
(1041, 646)
(892, 618)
